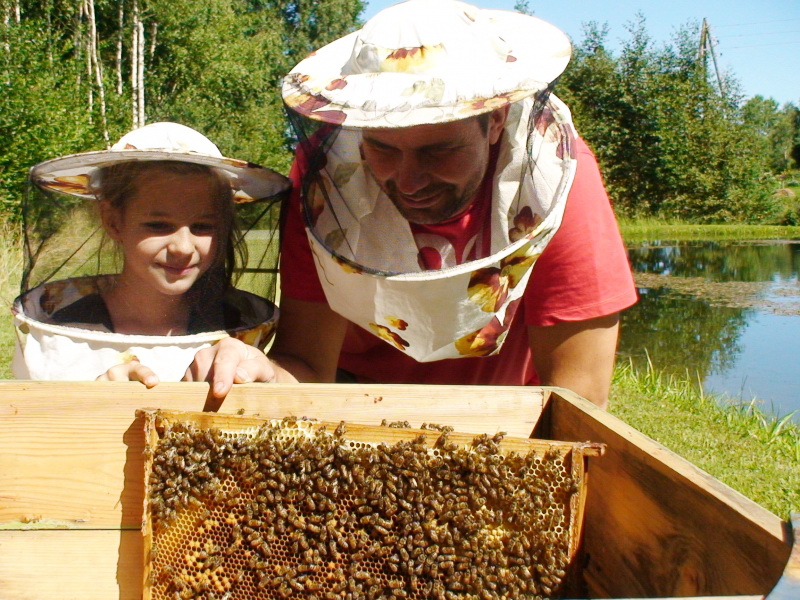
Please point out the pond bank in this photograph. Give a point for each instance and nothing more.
(724, 313)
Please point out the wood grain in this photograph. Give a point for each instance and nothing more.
(93, 565)
(72, 453)
(657, 526)
(71, 565)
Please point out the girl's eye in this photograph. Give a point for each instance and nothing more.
(203, 228)
(159, 226)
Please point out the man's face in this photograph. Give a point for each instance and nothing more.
(431, 172)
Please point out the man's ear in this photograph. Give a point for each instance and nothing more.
(111, 219)
(497, 120)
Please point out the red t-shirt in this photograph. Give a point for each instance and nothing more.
(582, 274)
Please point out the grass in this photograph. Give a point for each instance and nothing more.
(726, 442)
(647, 230)
(723, 440)
(10, 274)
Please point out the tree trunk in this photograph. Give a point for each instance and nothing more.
(85, 42)
(6, 46)
(137, 68)
(97, 68)
(140, 75)
(120, 35)
(153, 32)
(135, 65)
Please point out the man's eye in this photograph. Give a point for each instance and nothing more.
(440, 151)
(379, 149)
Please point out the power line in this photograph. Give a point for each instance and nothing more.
(763, 45)
(757, 23)
(730, 35)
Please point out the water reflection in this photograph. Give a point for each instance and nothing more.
(719, 261)
(744, 344)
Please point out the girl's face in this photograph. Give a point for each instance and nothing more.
(167, 231)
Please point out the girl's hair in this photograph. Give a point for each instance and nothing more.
(116, 185)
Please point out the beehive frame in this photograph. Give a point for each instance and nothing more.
(258, 527)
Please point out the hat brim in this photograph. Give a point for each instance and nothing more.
(72, 174)
(318, 89)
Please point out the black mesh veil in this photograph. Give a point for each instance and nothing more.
(63, 239)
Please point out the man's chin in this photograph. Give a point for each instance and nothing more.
(427, 214)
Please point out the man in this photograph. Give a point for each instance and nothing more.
(443, 171)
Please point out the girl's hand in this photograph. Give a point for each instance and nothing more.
(131, 371)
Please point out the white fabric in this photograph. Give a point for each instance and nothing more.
(366, 256)
(50, 352)
(427, 61)
(75, 174)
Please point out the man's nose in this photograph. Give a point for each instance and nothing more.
(412, 174)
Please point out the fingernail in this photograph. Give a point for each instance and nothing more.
(219, 387)
(242, 376)
(150, 381)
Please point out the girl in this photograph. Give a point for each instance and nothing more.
(167, 199)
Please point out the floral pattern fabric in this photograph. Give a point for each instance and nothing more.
(427, 61)
(48, 351)
(367, 257)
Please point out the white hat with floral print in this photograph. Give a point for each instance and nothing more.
(75, 174)
(427, 61)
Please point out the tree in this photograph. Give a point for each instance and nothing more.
(75, 74)
(41, 115)
(776, 127)
(669, 143)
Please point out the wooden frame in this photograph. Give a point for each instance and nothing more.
(71, 486)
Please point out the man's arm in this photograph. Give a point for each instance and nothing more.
(308, 340)
(306, 349)
(578, 355)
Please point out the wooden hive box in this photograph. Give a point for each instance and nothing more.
(655, 526)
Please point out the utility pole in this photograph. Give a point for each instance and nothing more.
(707, 47)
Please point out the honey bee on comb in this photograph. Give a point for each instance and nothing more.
(252, 508)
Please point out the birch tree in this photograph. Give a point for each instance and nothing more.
(137, 68)
(97, 67)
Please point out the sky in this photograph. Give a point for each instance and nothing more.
(757, 41)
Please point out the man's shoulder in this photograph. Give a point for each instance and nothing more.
(583, 150)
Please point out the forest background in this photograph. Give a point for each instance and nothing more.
(675, 139)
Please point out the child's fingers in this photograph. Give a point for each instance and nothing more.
(256, 368)
(143, 374)
(131, 371)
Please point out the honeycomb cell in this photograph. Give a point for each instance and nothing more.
(290, 510)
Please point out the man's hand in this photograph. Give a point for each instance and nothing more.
(131, 371)
(232, 361)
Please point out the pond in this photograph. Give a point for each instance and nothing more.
(726, 313)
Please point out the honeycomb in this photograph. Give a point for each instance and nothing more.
(295, 508)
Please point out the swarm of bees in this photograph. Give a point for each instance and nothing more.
(293, 509)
